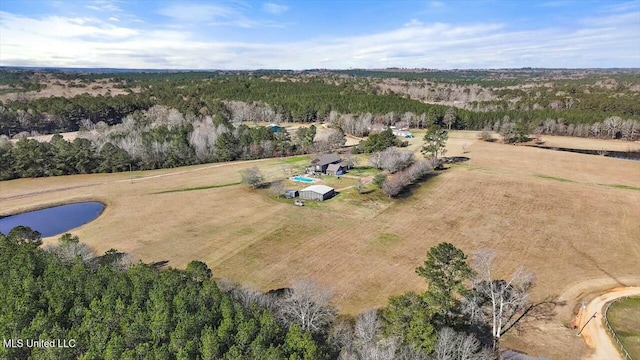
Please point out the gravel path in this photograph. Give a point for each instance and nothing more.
(595, 334)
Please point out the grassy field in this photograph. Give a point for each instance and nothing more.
(624, 317)
(564, 216)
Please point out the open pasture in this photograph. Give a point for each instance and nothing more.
(567, 217)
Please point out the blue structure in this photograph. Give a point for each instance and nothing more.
(274, 127)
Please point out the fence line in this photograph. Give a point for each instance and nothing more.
(613, 333)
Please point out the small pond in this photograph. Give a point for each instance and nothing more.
(54, 220)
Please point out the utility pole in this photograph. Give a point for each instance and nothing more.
(585, 325)
(583, 308)
(130, 174)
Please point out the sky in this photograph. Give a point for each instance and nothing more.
(312, 34)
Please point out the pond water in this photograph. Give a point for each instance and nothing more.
(627, 155)
(54, 220)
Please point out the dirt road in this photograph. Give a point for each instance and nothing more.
(595, 334)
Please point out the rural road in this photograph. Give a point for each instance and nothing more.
(595, 334)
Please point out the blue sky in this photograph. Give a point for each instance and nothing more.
(241, 34)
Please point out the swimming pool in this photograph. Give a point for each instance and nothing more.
(302, 179)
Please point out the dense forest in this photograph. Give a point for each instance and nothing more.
(169, 119)
(108, 307)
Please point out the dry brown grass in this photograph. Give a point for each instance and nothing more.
(590, 144)
(556, 213)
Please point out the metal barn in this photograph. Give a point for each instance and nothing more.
(317, 192)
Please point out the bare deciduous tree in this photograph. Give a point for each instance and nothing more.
(393, 186)
(501, 304)
(596, 129)
(308, 305)
(452, 345)
(419, 170)
(365, 342)
(391, 159)
(359, 185)
(69, 247)
(277, 187)
(253, 177)
(449, 117)
(612, 125)
(630, 129)
(245, 295)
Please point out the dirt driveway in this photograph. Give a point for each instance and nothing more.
(595, 334)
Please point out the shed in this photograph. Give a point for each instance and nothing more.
(336, 169)
(317, 192)
(290, 194)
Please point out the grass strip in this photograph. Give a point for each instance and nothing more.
(197, 188)
(553, 178)
(294, 159)
(618, 186)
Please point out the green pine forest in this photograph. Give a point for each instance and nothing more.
(170, 119)
(108, 307)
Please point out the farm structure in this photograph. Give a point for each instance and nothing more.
(320, 164)
(317, 192)
(336, 169)
(290, 194)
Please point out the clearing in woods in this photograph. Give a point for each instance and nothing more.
(366, 247)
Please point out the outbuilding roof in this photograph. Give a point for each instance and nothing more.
(320, 189)
(326, 159)
(334, 167)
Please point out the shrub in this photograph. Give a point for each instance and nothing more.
(253, 177)
(419, 170)
(396, 184)
(391, 159)
(485, 135)
(393, 186)
(379, 179)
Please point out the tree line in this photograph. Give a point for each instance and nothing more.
(116, 309)
(159, 137)
(316, 98)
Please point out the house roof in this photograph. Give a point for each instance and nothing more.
(326, 159)
(320, 189)
(335, 167)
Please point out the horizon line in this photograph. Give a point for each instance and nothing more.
(395, 69)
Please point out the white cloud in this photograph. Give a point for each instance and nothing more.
(276, 9)
(436, 4)
(214, 15)
(197, 12)
(104, 5)
(414, 22)
(620, 7)
(89, 42)
(556, 3)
